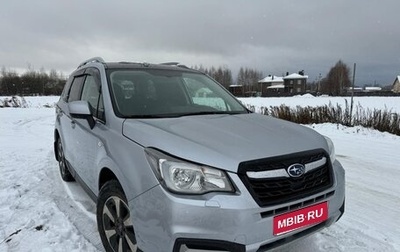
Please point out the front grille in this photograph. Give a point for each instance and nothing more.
(277, 187)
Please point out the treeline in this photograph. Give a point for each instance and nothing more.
(221, 74)
(246, 77)
(249, 77)
(31, 82)
(335, 83)
(41, 82)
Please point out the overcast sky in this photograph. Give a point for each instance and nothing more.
(274, 37)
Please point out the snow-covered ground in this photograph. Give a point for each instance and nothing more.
(390, 103)
(39, 212)
(33, 101)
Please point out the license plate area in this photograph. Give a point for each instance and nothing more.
(301, 218)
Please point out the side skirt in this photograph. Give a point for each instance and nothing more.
(81, 182)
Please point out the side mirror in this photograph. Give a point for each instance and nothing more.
(81, 110)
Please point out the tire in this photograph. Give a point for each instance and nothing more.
(64, 172)
(115, 226)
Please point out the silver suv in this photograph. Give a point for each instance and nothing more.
(176, 163)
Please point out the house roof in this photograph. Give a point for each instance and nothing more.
(295, 76)
(373, 88)
(276, 86)
(271, 79)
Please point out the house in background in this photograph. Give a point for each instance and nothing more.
(396, 85)
(236, 90)
(290, 84)
(270, 84)
(295, 83)
(372, 89)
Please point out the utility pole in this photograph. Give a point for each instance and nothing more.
(352, 94)
(319, 84)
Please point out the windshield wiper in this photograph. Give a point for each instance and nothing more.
(144, 116)
(212, 113)
(185, 114)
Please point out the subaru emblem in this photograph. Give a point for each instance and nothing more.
(296, 170)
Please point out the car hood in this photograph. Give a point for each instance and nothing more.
(223, 141)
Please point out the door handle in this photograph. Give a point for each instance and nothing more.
(73, 124)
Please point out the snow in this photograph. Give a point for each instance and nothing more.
(373, 88)
(295, 76)
(276, 86)
(32, 101)
(271, 79)
(30, 188)
(369, 102)
(38, 211)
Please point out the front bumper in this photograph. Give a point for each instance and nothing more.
(215, 221)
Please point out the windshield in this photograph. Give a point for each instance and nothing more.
(150, 93)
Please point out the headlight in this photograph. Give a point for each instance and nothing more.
(185, 177)
(331, 149)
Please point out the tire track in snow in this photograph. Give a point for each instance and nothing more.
(33, 199)
(74, 203)
(77, 211)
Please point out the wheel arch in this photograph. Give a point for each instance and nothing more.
(56, 137)
(106, 175)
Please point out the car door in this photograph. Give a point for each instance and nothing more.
(72, 93)
(89, 143)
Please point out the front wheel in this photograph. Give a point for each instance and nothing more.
(114, 219)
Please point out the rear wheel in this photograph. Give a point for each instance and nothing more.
(114, 219)
(65, 174)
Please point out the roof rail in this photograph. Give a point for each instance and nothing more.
(174, 64)
(95, 59)
(170, 63)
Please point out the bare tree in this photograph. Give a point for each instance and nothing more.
(221, 74)
(337, 80)
(249, 79)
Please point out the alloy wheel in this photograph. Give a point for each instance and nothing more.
(117, 225)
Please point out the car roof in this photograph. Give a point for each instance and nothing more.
(171, 66)
(135, 65)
